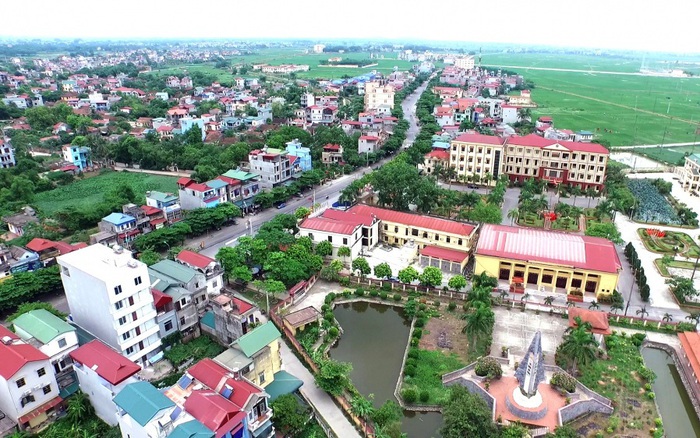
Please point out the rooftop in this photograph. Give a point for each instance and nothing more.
(302, 316)
(531, 245)
(142, 401)
(174, 270)
(283, 383)
(118, 218)
(535, 140)
(214, 411)
(103, 262)
(42, 325)
(107, 363)
(241, 175)
(444, 254)
(195, 259)
(596, 318)
(161, 197)
(415, 220)
(16, 354)
(690, 344)
(191, 429)
(259, 338)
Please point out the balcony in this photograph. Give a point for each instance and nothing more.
(261, 421)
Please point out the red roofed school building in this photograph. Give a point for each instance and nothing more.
(551, 262)
(689, 358)
(28, 388)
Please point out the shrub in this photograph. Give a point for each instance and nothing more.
(411, 362)
(397, 297)
(465, 307)
(383, 295)
(420, 322)
(417, 333)
(359, 292)
(325, 309)
(386, 287)
(413, 353)
(488, 366)
(651, 395)
(329, 298)
(436, 303)
(414, 342)
(647, 374)
(409, 395)
(333, 332)
(344, 281)
(373, 293)
(409, 371)
(424, 396)
(638, 338)
(452, 306)
(328, 316)
(563, 381)
(346, 294)
(422, 306)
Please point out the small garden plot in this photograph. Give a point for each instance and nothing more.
(652, 206)
(565, 224)
(531, 220)
(673, 243)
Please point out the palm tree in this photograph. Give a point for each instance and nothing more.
(667, 317)
(479, 323)
(513, 215)
(576, 192)
(503, 295)
(570, 304)
(615, 307)
(548, 300)
(579, 346)
(525, 297)
(593, 305)
(695, 317)
(478, 296)
(362, 408)
(487, 178)
(643, 312)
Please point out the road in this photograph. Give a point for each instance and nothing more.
(324, 195)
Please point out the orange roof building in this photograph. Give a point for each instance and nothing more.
(596, 318)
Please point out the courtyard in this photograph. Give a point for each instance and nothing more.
(515, 329)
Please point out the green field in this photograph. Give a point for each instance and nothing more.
(596, 102)
(87, 192)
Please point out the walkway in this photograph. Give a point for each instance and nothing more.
(323, 403)
(178, 174)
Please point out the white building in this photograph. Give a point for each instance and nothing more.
(7, 155)
(204, 265)
(342, 228)
(465, 62)
(377, 94)
(102, 374)
(109, 295)
(28, 388)
(318, 48)
(690, 173)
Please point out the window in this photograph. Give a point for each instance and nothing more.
(311, 236)
(21, 382)
(118, 305)
(214, 283)
(330, 239)
(41, 372)
(61, 343)
(65, 271)
(137, 281)
(168, 325)
(447, 239)
(131, 301)
(459, 242)
(46, 389)
(345, 240)
(129, 350)
(117, 289)
(126, 335)
(414, 232)
(26, 400)
(182, 320)
(261, 378)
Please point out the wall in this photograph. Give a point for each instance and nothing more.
(34, 384)
(100, 392)
(398, 233)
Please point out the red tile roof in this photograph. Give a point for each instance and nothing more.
(107, 363)
(215, 412)
(149, 210)
(481, 139)
(185, 181)
(331, 147)
(583, 252)
(415, 220)
(438, 154)
(199, 187)
(369, 138)
(329, 225)
(160, 299)
(211, 374)
(194, 259)
(227, 180)
(346, 216)
(596, 318)
(541, 142)
(38, 244)
(16, 355)
(444, 254)
(690, 344)
(243, 306)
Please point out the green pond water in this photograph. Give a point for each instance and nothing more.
(374, 339)
(674, 403)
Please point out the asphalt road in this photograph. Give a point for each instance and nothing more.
(324, 195)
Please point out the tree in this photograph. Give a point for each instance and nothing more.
(324, 248)
(344, 252)
(302, 213)
(486, 213)
(431, 277)
(333, 376)
(616, 307)
(594, 305)
(483, 279)
(388, 413)
(361, 264)
(150, 257)
(695, 317)
(514, 430)
(28, 307)
(667, 317)
(607, 230)
(578, 346)
(642, 312)
(270, 286)
(513, 215)
(548, 300)
(362, 407)
(408, 275)
(79, 408)
(457, 282)
(382, 270)
(466, 415)
(288, 415)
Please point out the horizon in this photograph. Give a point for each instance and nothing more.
(598, 25)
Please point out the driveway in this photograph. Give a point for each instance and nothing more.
(515, 329)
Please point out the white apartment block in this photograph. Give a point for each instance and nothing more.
(272, 165)
(465, 62)
(378, 94)
(690, 173)
(477, 154)
(109, 295)
(7, 155)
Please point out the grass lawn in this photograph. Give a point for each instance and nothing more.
(531, 220)
(674, 264)
(592, 101)
(196, 349)
(665, 245)
(565, 224)
(430, 366)
(619, 378)
(665, 155)
(85, 193)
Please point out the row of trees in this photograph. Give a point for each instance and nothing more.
(640, 276)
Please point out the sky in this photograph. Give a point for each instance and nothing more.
(668, 25)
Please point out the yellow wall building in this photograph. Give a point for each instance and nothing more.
(549, 261)
(256, 354)
(477, 154)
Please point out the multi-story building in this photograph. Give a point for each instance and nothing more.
(7, 155)
(342, 228)
(109, 295)
(477, 154)
(555, 161)
(28, 389)
(272, 165)
(196, 195)
(242, 187)
(690, 173)
(52, 336)
(302, 153)
(168, 203)
(145, 412)
(79, 156)
(332, 154)
(232, 317)
(209, 267)
(368, 144)
(377, 94)
(465, 62)
(187, 288)
(435, 158)
(120, 226)
(102, 374)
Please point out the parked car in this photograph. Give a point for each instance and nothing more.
(281, 205)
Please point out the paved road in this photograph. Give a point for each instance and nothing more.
(325, 194)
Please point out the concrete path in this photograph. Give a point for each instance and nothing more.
(324, 404)
(178, 174)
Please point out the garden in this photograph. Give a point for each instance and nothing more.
(654, 204)
(673, 243)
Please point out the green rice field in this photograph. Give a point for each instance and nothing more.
(85, 193)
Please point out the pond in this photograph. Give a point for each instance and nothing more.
(674, 403)
(374, 339)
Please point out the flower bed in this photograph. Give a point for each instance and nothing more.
(668, 242)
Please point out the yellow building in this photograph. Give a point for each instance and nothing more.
(378, 94)
(549, 261)
(401, 228)
(690, 173)
(256, 354)
(477, 154)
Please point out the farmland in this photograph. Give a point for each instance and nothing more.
(87, 192)
(672, 155)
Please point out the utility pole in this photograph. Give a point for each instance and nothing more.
(629, 298)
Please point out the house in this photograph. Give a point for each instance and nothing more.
(166, 317)
(143, 220)
(302, 153)
(435, 158)
(272, 165)
(17, 259)
(444, 115)
(368, 144)
(143, 411)
(121, 226)
(332, 154)
(48, 250)
(187, 123)
(509, 114)
(600, 326)
(204, 265)
(247, 186)
(167, 203)
(109, 296)
(17, 222)
(300, 319)
(195, 195)
(52, 336)
(29, 393)
(690, 173)
(102, 374)
(185, 286)
(7, 155)
(341, 228)
(524, 100)
(564, 264)
(256, 354)
(232, 317)
(464, 62)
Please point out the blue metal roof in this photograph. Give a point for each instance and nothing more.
(118, 218)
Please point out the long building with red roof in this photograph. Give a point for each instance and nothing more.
(547, 260)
